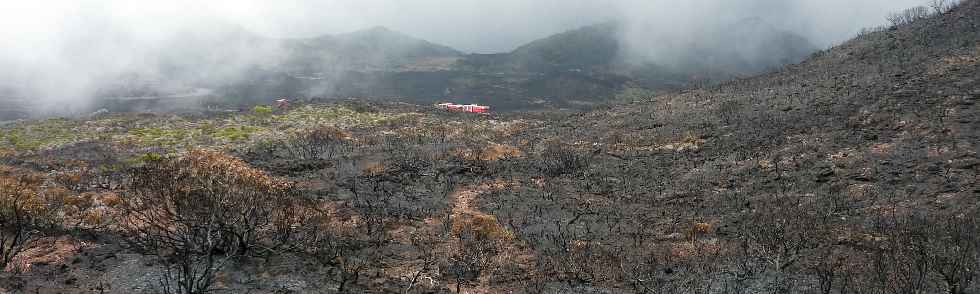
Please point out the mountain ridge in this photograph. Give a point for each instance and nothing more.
(577, 69)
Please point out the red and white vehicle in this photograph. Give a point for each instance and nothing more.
(474, 108)
(282, 103)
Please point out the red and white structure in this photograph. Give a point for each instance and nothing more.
(282, 103)
(464, 108)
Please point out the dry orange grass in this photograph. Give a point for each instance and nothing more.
(464, 152)
(483, 227)
(508, 129)
(689, 141)
(80, 200)
(54, 250)
(230, 170)
(23, 175)
(326, 132)
(882, 148)
(697, 229)
(16, 193)
(227, 179)
(374, 168)
(684, 250)
(96, 217)
(495, 152)
(110, 199)
(956, 61)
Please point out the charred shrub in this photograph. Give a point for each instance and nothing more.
(333, 246)
(908, 16)
(559, 159)
(21, 213)
(321, 142)
(482, 228)
(928, 253)
(470, 257)
(316, 143)
(198, 211)
(171, 197)
(408, 162)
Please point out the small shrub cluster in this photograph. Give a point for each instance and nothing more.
(262, 109)
(22, 213)
(469, 258)
(910, 15)
(317, 142)
(199, 210)
(559, 159)
(482, 228)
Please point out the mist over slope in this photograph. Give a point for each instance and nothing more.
(62, 54)
(579, 69)
(223, 64)
(374, 49)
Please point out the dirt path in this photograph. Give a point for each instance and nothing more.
(464, 200)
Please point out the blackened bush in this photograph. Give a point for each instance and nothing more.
(21, 213)
(171, 195)
(902, 262)
(198, 211)
(469, 258)
(908, 16)
(329, 247)
(559, 159)
(322, 141)
(262, 150)
(955, 251)
(943, 6)
(408, 162)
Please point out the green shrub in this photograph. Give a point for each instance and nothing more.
(150, 157)
(262, 109)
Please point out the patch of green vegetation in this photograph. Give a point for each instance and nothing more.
(236, 133)
(150, 157)
(41, 134)
(163, 136)
(337, 115)
(262, 109)
(631, 94)
(174, 132)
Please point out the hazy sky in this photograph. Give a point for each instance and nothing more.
(469, 25)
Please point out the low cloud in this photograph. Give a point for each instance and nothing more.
(59, 53)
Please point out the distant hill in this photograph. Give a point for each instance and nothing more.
(581, 49)
(236, 66)
(589, 64)
(374, 49)
(579, 69)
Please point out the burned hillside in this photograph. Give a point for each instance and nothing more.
(854, 171)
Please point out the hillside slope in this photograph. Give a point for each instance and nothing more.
(859, 164)
(855, 171)
(591, 66)
(914, 80)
